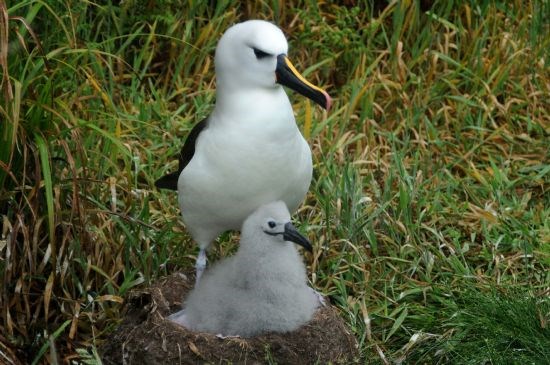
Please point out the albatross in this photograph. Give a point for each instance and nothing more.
(262, 288)
(249, 151)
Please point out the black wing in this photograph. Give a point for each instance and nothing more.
(170, 181)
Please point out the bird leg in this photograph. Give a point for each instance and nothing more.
(200, 265)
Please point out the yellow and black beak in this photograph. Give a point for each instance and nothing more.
(288, 76)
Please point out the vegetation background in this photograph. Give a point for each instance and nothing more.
(429, 210)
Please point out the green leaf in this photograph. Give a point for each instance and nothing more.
(50, 341)
(398, 322)
(48, 187)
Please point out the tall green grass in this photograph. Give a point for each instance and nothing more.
(429, 209)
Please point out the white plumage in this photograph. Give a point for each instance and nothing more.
(262, 288)
(249, 151)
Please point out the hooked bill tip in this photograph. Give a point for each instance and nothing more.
(328, 104)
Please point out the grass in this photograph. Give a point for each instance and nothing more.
(429, 209)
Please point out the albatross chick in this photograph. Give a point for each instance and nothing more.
(262, 288)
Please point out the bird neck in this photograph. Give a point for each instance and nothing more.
(276, 269)
(269, 254)
(235, 103)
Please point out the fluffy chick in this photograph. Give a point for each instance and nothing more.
(262, 288)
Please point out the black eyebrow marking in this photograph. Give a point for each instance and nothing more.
(261, 54)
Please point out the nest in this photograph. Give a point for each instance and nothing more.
(146, 337)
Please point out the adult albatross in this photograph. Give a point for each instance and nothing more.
(249, 151)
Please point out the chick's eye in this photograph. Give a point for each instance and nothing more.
(260, 54)
(271, 224)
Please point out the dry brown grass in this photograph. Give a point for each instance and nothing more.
(431, 171)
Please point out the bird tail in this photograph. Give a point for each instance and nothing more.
(169, 181)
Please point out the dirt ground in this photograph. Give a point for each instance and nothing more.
(146, 337)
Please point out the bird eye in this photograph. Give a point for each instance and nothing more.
(271, 224)
(260, 54)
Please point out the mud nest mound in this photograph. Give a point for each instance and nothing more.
(146, 337)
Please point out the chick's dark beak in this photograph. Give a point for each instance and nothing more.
(291, 234)
(287, 75)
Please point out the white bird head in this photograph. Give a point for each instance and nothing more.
(270, 224)
(253, 54)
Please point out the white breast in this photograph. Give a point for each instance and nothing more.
(241, 164)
